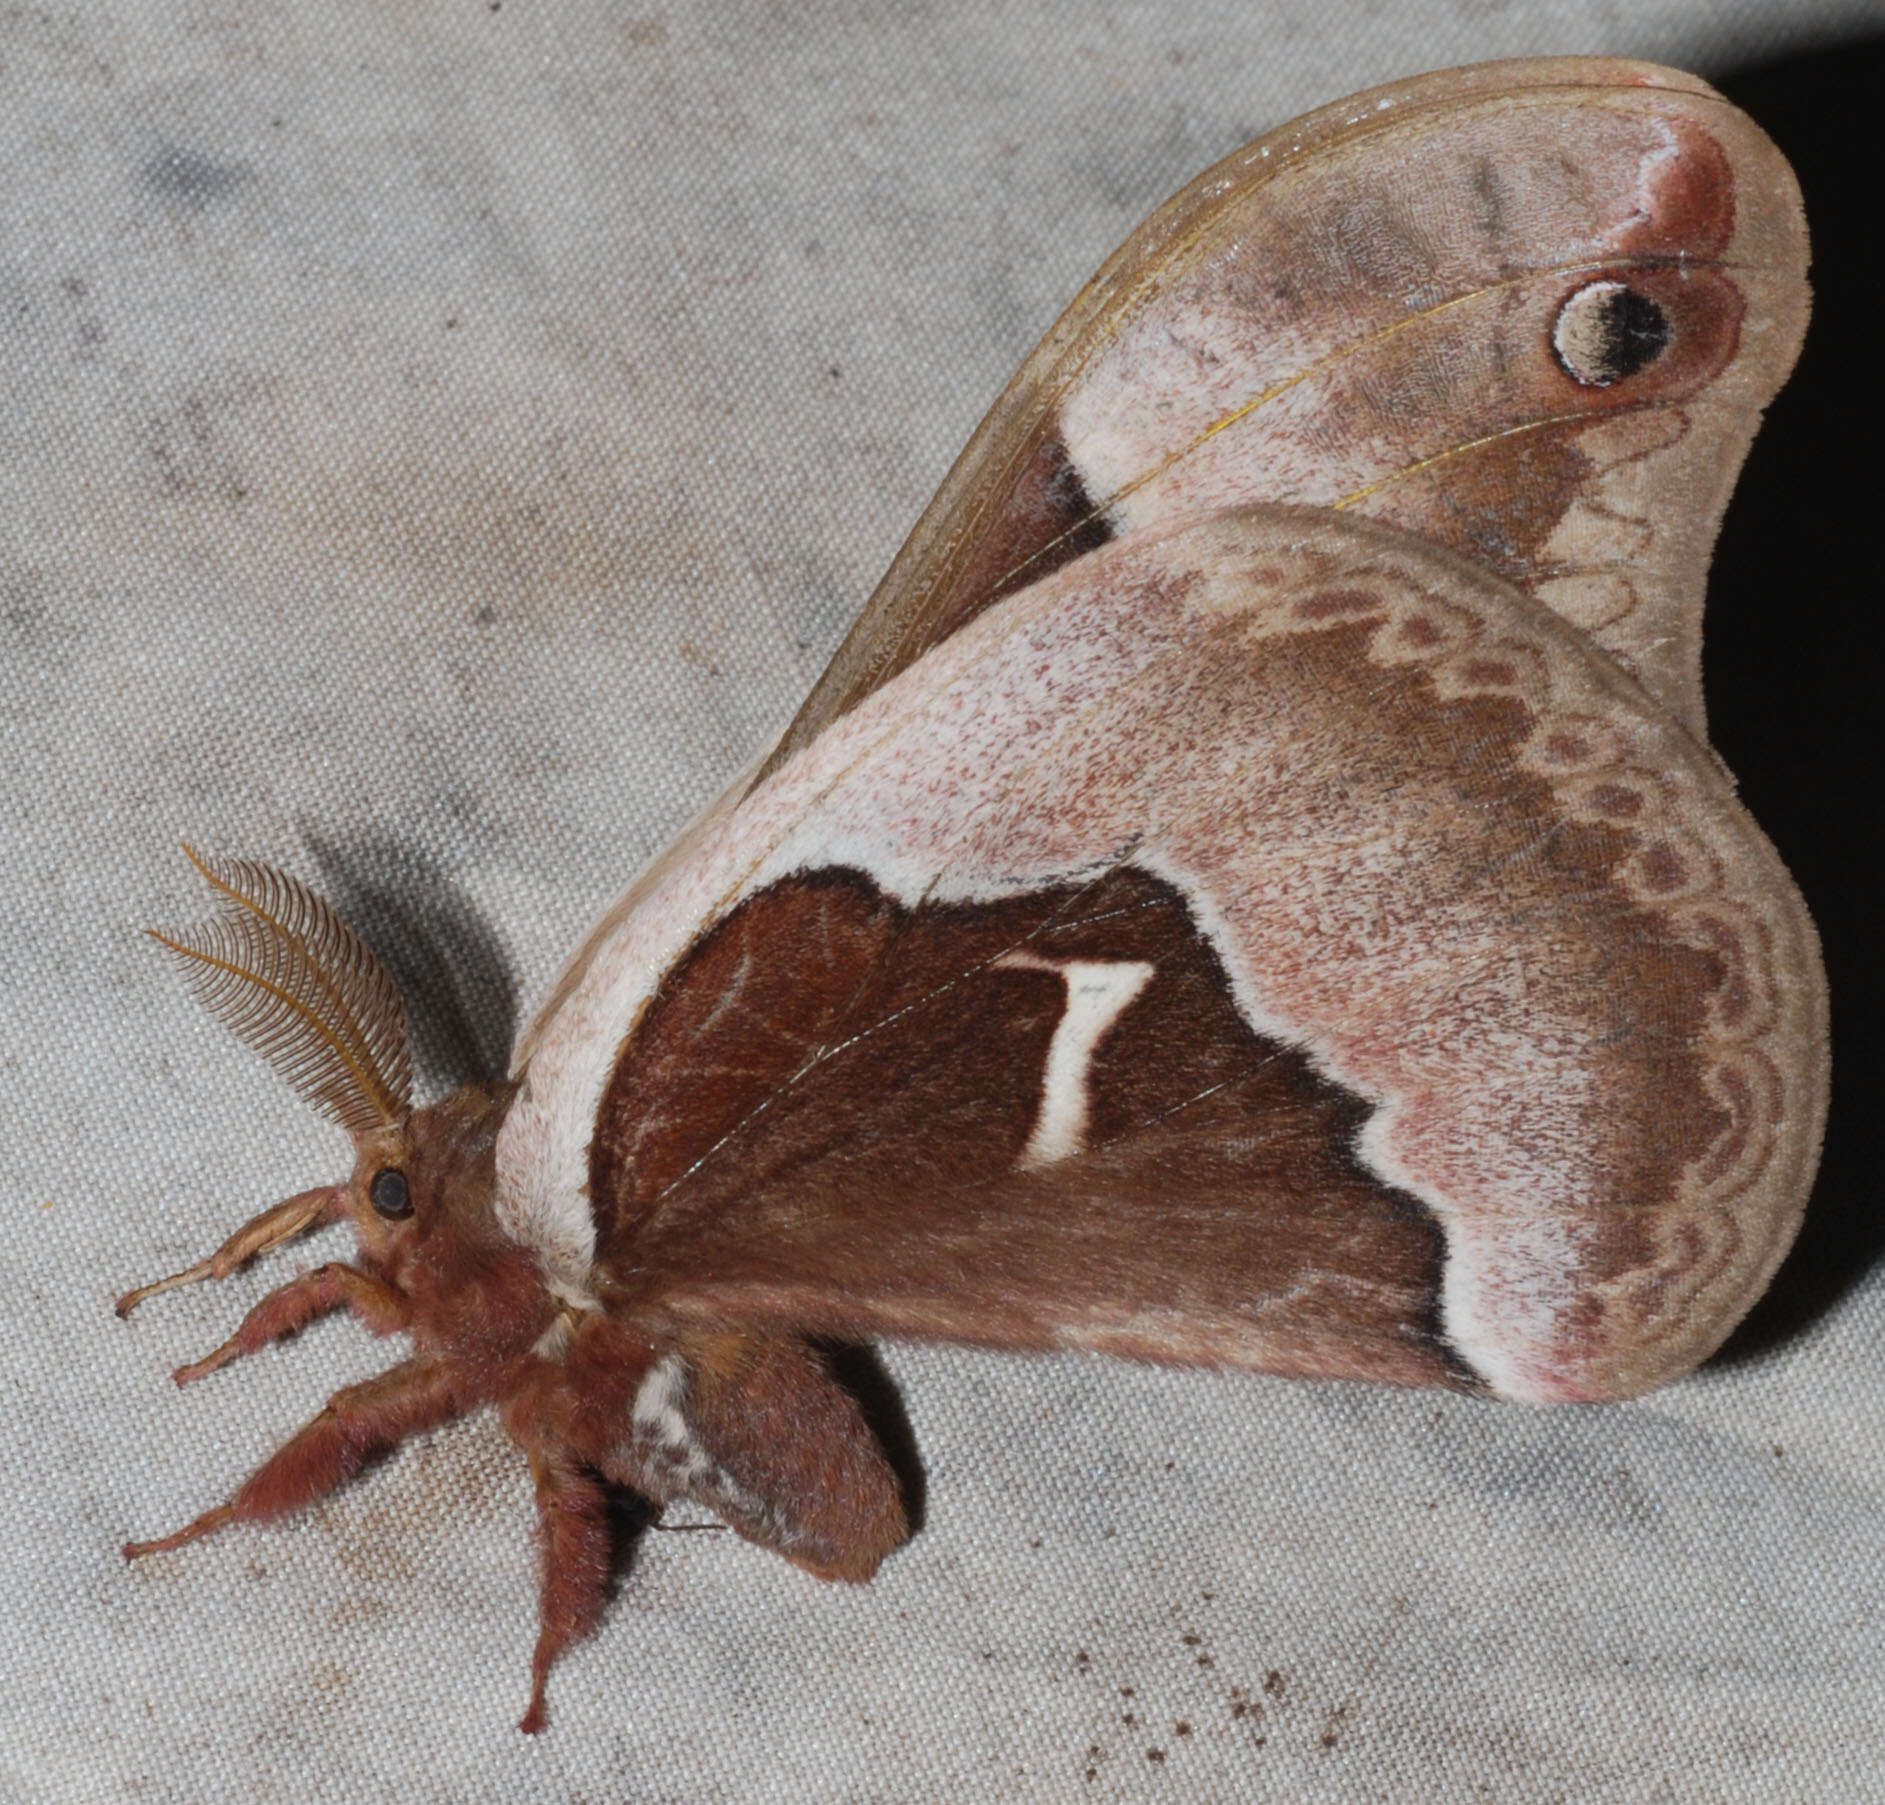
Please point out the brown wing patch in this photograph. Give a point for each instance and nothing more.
(1048, 520)
(1442, 851)
(825, 1113)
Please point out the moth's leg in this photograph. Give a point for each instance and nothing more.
(274, 1226)
(298, 1303)
(755, 1428)
(357, 1421)
(572, 1516)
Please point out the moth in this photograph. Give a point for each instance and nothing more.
(1253, 889)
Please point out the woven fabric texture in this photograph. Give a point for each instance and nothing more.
(441, 444)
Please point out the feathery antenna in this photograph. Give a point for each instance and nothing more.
(282, 969)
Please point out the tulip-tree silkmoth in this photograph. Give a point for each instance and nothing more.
(1252, 890)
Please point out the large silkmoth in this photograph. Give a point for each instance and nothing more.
(1252, 890)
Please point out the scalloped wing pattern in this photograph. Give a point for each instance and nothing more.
(1418, 757)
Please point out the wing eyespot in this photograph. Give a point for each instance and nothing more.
(1606, 331)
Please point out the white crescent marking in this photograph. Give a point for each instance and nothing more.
(1098, 992)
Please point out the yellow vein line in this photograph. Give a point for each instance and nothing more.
(1455, 451)
(1354, 348)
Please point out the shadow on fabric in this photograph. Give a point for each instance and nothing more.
(1792, 650)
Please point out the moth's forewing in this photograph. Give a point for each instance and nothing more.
(1366, 309)
(1273, 943)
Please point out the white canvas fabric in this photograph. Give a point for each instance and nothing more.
(441, 444)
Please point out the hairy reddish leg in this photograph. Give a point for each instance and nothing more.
(197, 1526)
(298, 1303)
(357, 1420)
(281, 1223)
(572, 1515)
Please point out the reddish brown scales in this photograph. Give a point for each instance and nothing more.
(821, 1122)
(821, 1015)
(572, 1519)
(808, 1478)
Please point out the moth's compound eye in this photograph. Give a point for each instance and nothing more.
(389, 1193)
(1607, 331)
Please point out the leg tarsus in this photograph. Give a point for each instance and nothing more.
(535, 1717)
(221, 1356)
(203, 1269)
(357, 1420)
(296, 1304)
(572, 1516)
(282, 1222)
(201, 1526)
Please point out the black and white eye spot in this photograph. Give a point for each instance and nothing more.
(1607, 331)
(389, 1193)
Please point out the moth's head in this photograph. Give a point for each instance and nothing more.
(433, 1173)
(281, 968)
